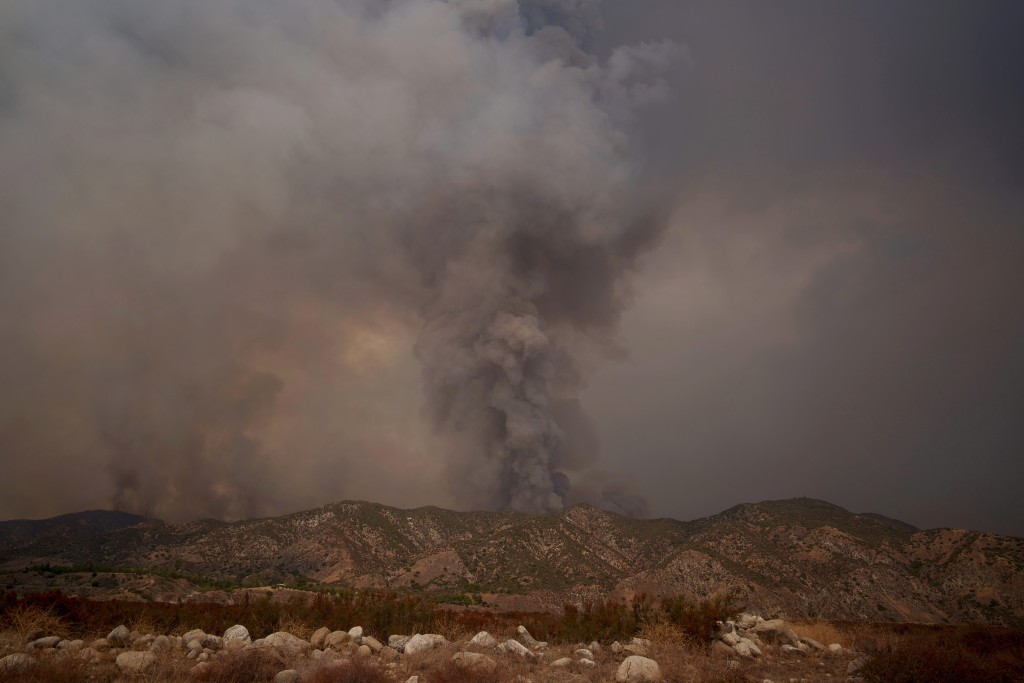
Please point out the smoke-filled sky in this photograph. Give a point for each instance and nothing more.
(656, 255)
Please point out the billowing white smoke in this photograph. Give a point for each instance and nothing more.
(180, 177)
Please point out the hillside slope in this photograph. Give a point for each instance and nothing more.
(798, 557)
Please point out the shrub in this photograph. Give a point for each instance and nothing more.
(697, 619)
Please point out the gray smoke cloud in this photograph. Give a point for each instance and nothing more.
(224, 221)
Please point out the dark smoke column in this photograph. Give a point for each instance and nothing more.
(526, 264)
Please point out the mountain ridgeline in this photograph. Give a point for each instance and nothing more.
(798, 557)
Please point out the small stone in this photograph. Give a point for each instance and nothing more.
(319, 637)
(751, 646)
(835, 648)
(16, 663)
(587, 663)
(287, 676)
(637, 669)
(790, 650)
(136, 662)
(732, 665)
(372, 643)
(237, 632)
(474, 661)
(584, 653)
(160, 644)
(335, 639)
(813, 643)
(484, 639)
(616, 647)
(518, 648)
(42, 643)
(100, 644)
(562, 663)
(422, 642)
(287, 645)
(364, 651)
(120, 636)
(412, 679)
(398, 642)
(856, 665)
(355, 633)
(742, 649)
(730, 638)
(194, 633)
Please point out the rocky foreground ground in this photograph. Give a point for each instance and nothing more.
(748, 648)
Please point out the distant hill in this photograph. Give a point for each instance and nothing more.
(77, 525)
(799, 557)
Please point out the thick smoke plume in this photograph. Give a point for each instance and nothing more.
(210, 207)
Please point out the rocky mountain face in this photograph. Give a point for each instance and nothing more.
(795, 558)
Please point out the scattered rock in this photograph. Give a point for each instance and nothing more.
(584, 653)
(16, 663)
(335, 639)
(364, 651)
(412, 679)
(288, 645)
(475, 661)
(89, 655)
(744, 649)
(120, 637)
(136, 662)
(237, 632)
(398, 642)
(732, 665)
(529, 640)
(751, 645)
(484, 639)
(587, 663)
(422, 642)
(835, 648)
(516, 647)
(287, 676)
(356, 633)
(790, 650)
(372, 643)
(777, 628)
(856, 665)
(746, 620)
(730, 638)
(637, 669)
(813, 643)
(616, 647)
(160, 644)
(41, 643)
(388, 653)
(319, 637)
(100, 644)
(194, 633)
(594, 647)
(562, 663)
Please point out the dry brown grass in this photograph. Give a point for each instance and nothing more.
(357, 670)
(50, 670)
(664, 634)
(825, 632)
(25, 623)
(244, 666)
(296, 627)
(448, 625)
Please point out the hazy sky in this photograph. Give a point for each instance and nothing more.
(659, 255)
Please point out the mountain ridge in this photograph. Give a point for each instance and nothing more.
(799, 557)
